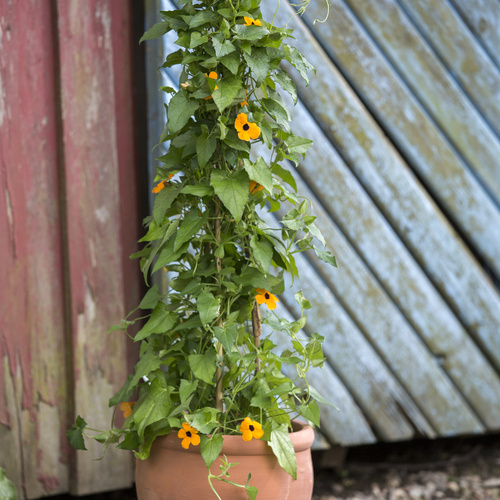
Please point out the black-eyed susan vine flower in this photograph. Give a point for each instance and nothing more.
(189, 435)
(255, 187)
(251, 429)
(246, 130)
(251, 22)
(264, 297)
(161, 185)
(126, 408)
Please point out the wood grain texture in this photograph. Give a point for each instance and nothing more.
(449, 106)
(460, 51)
(483, 18)
(406, 205)
(33, 377)
(429, 153)
(93, 214)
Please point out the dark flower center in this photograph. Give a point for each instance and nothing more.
(246, 126)
(188, 434)
(251, 427)
(267, 296)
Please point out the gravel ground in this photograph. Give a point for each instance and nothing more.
(466, 469)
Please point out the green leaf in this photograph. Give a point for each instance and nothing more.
(233, 190)
(262, 251)
(226, 336)
(180, 109)
(205, 147)
(261, 399)
(296, 144)
(208, 307)
(259, 172)
(202, 17)
(234, 142)
(168, 254)
(278, 111)
(75, 434)
(151, 298)
(198, 190)
(197, 39)
(299, 62)
(205, 420)
(231, 62)
(156, 31)
(250, 32)
(302, 301)
(204, 365)
(310, 411)
(163, 201)
(155, 407)
(187, 388)
(222, 49)
(259, 63)
(131, 441)
(285, 175)
(228, 89)
(160, 321)
(287, 84)
(192, 223)
(210, 448)
(283, 449)
(326, 256)
(318, 397)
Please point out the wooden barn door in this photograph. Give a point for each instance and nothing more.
(68, 221)
(404, 177)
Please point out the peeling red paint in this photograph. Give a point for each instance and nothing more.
(49, 483)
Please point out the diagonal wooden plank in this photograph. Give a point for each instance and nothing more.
(437, 90)
(391, 411)
(483, 18)
(406, 205)
(410, 127)
(450, 37)
(346, 426)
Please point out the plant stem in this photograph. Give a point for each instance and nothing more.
(218, 389)
(257, 330)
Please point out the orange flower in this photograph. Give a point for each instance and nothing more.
(246, 130)
(244, 103)
(254, 187)
(189, 435)
(264, 297)
(251, 429)
(126, 408)
(249, 21)
(161, 185)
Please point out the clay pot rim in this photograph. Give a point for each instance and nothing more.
(302, 439)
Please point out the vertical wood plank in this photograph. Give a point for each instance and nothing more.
(33, 377)
(93, 213)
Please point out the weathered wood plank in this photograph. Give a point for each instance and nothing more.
(93, 212)
(483, 18)
(436, 89)
(449, 36)
(391, 411)
(346, 426)
(410, 127)
(33, 375)
(406, 205)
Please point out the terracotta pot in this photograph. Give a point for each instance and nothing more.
(173, 473)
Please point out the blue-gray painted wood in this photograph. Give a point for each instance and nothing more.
(411, 318)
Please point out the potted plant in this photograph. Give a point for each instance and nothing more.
(208, 382)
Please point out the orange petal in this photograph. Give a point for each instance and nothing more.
(247, 435)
